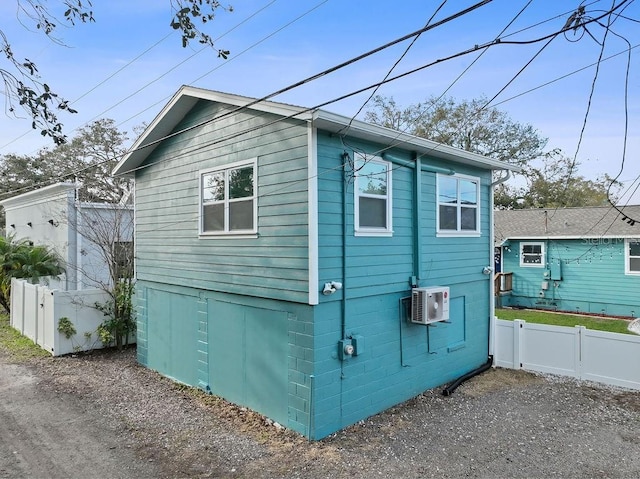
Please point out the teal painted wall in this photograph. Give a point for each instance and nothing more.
(231, 315)
(593, 279)
(400, 359)
(254, 352)
(167, 206)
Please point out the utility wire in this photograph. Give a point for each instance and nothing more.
(458, 78)
(201, 147)
(295, 85)
(153, 81)
(344, 131)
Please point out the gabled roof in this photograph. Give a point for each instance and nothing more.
(186, 98)
(566, 223)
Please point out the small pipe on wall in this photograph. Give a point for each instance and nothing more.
(423, 167)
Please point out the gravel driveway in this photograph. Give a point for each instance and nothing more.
(134, 423)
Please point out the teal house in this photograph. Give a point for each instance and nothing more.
(584, 260)
(313, 269)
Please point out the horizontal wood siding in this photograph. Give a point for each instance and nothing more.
(168, 249)
(372, 261)
(593, 278)
(398, 359)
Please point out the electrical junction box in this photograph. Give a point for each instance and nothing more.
(429, 305)
(556, 271)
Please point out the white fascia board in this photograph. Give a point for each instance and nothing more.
(38, 196)
(176, 109)
(160, 127)
(334, 123)
(312, 192)
(105, 206)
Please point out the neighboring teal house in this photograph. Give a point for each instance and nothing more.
(585, 260)
(277, 249)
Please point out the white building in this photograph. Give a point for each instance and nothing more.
(76, 230)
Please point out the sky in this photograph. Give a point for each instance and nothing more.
(129, 63)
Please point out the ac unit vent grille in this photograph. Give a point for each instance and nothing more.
(429, 305)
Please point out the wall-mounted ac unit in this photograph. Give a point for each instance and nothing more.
(429, 305)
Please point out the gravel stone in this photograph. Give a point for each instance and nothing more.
(503, 423)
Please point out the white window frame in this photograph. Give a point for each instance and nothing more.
(543, 252)
(226, 169)
(364, 230)
(458, 232)
(627, 256)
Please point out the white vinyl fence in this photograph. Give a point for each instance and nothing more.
(36, 311)
(610, 358)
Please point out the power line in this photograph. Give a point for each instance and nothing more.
(153, 81)
(327, 71)
(344, 131)
(234, 57)
(201, 147)
(295, 85)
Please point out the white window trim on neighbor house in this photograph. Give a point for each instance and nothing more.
(542, 262)
(372, 230)
(628, 257)
(226, 169)
(458, 205)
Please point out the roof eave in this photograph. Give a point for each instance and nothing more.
(175, 110)
(185, 99)
(334, 123)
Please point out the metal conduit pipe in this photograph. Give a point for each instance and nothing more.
(448, 391)
(423, 167)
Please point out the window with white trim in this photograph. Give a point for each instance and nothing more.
(632, 256)
(458, 205)
(372, 201)
(228, 199)
(532, 254)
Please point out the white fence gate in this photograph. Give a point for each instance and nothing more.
(36, 311)
(610, 358)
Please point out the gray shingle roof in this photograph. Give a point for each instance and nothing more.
(588, 222)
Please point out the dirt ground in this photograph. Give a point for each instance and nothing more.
(102, 415)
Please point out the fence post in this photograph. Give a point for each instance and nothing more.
(579, 348)
(518, 329)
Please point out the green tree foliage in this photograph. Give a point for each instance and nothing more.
(465, 125)
(23, 87)
(88, 159)
(550, 177)
(556, 185)
(20, 259)
(120, 322)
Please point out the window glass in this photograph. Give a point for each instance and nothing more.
(373, 212)
(213, 217)
(213, 187)
(241, 183)
(123, 258)
(633, 257)
(458, 209)
(372, 178)
(448, 190)
(531, 254)
(241, 215)
(468, 219)
(468, 192)
(228, 202)
(372, 200)
(448, 218)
